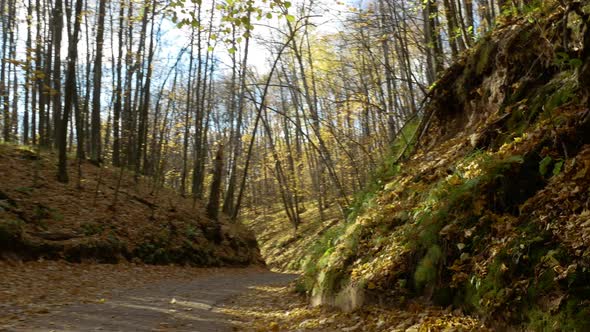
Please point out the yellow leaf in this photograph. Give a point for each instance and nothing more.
(454, 180)
(371, 285)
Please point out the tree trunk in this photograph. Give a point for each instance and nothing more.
(95, 140)
(70, 89)
(215, 194)
(118, 92)
(56, 93)
(145, 104)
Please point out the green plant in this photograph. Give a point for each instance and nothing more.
(427, 270)
(40, 212)
(114, 240)
(56, 215)
(324, 244)
(572, 317)
(300, 286)
(91, 228)
(566, 92)
(564, 61)
(152, 253)
(10, 230)
(192, 232)
(546, 163)
(318, 253)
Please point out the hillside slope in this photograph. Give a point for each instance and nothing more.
(42, 218)
(491, 214)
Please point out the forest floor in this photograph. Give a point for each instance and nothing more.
(60, 296)
(107, 215)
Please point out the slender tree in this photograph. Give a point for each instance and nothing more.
(70, 90)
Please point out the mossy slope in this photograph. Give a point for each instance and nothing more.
(491, 212)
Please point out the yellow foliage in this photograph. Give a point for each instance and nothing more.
(454, 180)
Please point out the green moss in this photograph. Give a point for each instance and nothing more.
(529, 257)
(427, 270)
(108, 249)
(300, 286)
(528, 102)
(566, 91)
(56, 215)
(576, 316)
(153, 253)
(43, 214)
(573, 316)
(543, 285)
(326, 274)
(330, 280)
(484, 57)
(482, 295)
(318, 254)
(539, 320)
(429, 228)
(163, 236)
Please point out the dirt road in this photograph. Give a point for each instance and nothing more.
(162, 306)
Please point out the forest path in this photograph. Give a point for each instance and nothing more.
(60, 296)
(167, 305)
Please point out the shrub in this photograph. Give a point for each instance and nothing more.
(10, 230)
